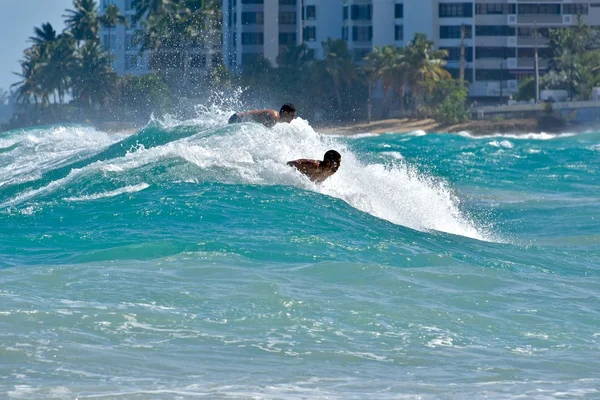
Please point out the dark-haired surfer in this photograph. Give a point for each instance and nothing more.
(317, 170)
(268, 118)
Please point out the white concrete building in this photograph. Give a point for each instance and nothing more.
(499, 34)
(253, 28)
(127, 59)
(321, 20)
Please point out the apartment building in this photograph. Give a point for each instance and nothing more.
(321, 20)
(259, 28)
(119, 41)
(499, 36)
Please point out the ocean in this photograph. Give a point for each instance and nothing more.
(187, 260)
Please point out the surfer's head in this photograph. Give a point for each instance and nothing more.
(332, 159)
(287, 112)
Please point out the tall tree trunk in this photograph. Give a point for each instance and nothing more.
(109, 48)
(339, 97)
(402, 93)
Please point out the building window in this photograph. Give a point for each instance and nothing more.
(131, 61)
(455, 72)
(493, 75)
(129, 41)
(251, 58)
(362, 33)
(453, 31)
(453, 10)
(252, 1)
(361, 12)
(345, 33)
(575, 9)
(399, 32)
(287, 2)
(495, 8)
(252, 38)
(345, 13)
(454, 53)
(310, 33)
(251, 18)
(539, 9)
(287, 18)
(311, 12)
(399, 11)
(494, 30)
(495, 52)
(528, 52)
(287, 39)
(530, 32)
(360, 54)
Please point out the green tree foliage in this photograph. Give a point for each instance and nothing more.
(575, 57)
(146, 95)
(447, 100)
(94, 81)
(83, 21)
(111, 18)
(175, 30)
(4, 96)
(526, 90)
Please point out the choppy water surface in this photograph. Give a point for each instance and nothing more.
(187, 260)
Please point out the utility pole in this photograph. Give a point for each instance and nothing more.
(501, 78)
(536, 64)
(462, 54)
(369, 105)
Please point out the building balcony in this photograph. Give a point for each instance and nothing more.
(528, 63)
(528, 41)
(539, 19)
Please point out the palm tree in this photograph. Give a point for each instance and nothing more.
(338, 66)
(424, 64)
(111, 18)
(43, 35)
(94, 80)
(181, 28)
(83, 21)
(29, 87)
(149, 8)
(382, 66)
(60, 63)
(53, 58)
(4, 96)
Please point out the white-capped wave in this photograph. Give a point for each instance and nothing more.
(524, 136)
(39, 150)
(111, 193)
(501, 144)
(252, 154)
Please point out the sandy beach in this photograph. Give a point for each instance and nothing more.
(406, 125)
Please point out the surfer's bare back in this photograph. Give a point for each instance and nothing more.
(268, 118)
(318, 170)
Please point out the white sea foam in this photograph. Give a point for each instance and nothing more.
(524, 136)
(39, 150)
(252, 154)
(112, 193)
(502, 144)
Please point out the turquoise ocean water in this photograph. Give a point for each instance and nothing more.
(188, 261)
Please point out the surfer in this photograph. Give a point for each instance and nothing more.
(317, 170)
(268, 118)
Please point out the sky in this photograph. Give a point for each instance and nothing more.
(17, 20)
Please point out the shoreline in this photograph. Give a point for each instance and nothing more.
(520, 126)
(516, 126)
